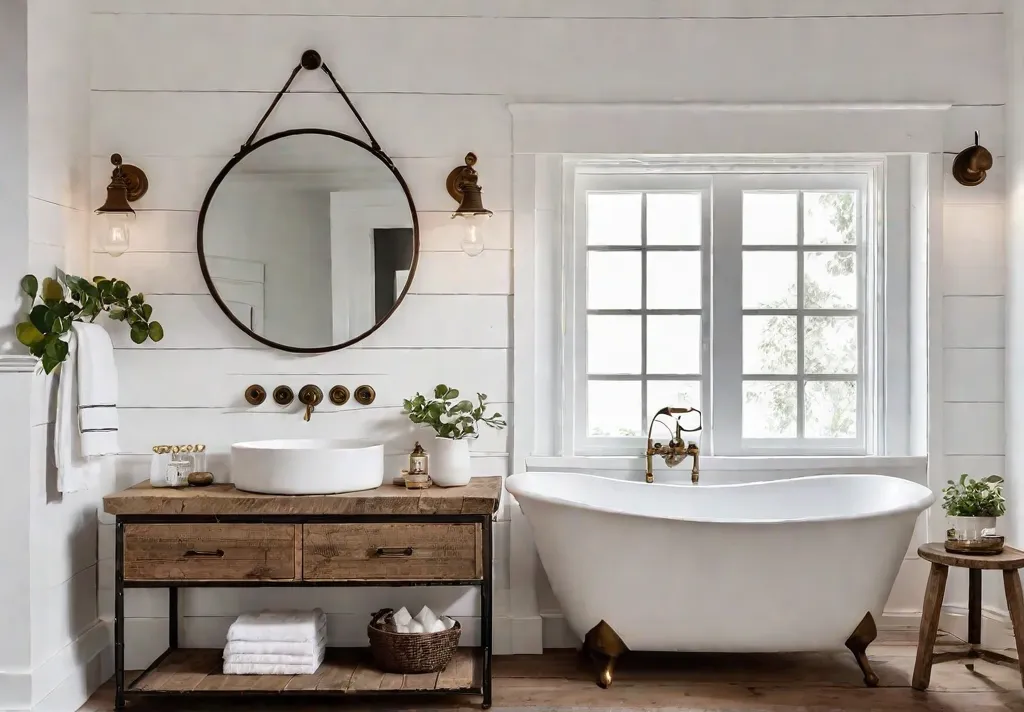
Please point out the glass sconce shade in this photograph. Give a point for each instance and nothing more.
(117, 235)
(473, 231)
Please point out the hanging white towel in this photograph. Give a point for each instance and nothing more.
(74, 472)
(97, 390)
(278, 626)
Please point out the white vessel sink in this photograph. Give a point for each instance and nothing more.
(307, 466)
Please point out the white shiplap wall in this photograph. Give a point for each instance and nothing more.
(433, 82)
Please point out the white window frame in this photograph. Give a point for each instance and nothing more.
(721, 376)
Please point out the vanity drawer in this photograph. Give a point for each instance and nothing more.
(392, 552)
(212, 552)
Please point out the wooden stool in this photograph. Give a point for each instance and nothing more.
(1009, 561)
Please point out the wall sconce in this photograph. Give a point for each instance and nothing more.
(462, 186)
(972, 164)
(128, 183)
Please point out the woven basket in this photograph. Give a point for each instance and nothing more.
(410, 653)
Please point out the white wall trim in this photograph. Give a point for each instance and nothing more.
(702, 128)
(996, 632)
(26, 690)
(18, 363)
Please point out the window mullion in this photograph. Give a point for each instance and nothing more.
(643, 312)
(727, 314)
(800, 314)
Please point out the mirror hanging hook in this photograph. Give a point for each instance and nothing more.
(312, 61)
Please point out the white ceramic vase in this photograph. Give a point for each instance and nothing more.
(449, 462)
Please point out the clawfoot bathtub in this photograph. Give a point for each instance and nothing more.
(788, 565)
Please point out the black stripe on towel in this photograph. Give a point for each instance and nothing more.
(100, 430)
(83, 407)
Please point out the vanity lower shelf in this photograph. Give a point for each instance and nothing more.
(345, 671)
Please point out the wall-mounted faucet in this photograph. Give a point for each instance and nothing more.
(676, 450)
(310, 396)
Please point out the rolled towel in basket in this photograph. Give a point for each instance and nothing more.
(279, 626)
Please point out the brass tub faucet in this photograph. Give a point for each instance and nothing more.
(676, 450)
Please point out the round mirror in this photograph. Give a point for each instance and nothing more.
(308, 240)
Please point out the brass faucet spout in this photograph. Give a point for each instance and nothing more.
(676, 450)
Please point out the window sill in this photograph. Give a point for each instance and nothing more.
(913, 468)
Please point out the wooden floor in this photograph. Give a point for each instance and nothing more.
(811, 682)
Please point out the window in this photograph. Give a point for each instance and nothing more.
(749, 294)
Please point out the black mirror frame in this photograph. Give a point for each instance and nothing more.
(236, 159)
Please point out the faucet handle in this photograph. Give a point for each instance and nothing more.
(310, 396)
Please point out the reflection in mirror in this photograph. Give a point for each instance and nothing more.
(309, 240)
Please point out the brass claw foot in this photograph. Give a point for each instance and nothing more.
(604, 646)
(858, 644)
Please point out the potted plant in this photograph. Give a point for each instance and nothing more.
(454, 421)
(972, 507)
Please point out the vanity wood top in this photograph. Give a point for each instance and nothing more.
(480, 496)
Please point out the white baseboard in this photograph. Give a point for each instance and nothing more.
(996, 630)
(66, 680)
(995, 626)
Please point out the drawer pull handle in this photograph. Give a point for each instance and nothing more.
(193, 552)
(393, 551)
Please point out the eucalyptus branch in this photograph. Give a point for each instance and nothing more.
(78, 299)
(449, 416)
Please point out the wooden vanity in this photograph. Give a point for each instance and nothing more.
(220, 537)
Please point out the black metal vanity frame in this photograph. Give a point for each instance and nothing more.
(486, 583)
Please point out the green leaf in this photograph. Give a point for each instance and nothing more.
(452, 394)
(28, 334)
(42, 317)
(116, 314)
(156, 331)
(147, 311)
(464, 406)
(440, 390)
(50, 363)
(55, 347)
(97, 280)
(52, 291)
(30, 285)
(121, 290)
(139, 332)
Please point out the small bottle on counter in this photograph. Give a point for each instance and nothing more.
(418, 461)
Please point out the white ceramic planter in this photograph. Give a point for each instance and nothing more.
(970, 528)
(448, 465)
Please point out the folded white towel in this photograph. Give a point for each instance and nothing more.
(402, 617)
(258, 669)
(97, 390)
(276, 659)
(272, 647)
(271, 664)
(278, 626)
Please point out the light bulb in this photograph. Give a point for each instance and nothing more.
(118, 233)
(473, 232)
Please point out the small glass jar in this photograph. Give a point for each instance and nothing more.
(158, 465)
(418, 461)
(179, 466)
